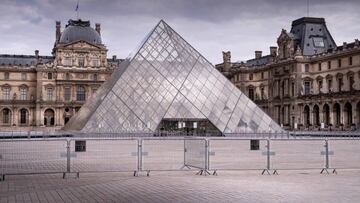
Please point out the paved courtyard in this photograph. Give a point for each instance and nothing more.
(245, 186)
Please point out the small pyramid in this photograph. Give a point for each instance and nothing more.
(168, 78)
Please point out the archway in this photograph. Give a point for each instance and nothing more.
(326, 113)
(348, 114)
(6, 116)
(316, 112)
(337, 114)
(24, 114)
(49, 117)
(306, 115)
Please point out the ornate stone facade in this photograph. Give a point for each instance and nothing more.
(45, 91)
(308, 83)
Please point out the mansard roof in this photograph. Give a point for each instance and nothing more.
(312, 35)
(22, 60)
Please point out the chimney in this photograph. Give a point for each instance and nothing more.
(227, 60)
(37, 53)
(273, 51)
(344, 45)
(97, 28)
(356, 43)
(58, 32)
(258, 54)
(114, 58)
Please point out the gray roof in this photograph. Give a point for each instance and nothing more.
(79, 30)
(22, 60)
(310, 31)
(260, 61)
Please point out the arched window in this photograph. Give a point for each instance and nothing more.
(23, 116)
(251, 92)
(23, 93)
(6, 116)
(80, 93)
(6, 93)
(49, 117)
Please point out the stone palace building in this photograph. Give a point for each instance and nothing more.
(306, 82)
(45, 91)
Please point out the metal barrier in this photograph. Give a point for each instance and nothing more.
(80, 155)
(196, 154)
(298, 154)
(154, 158)
(237, 154)
(104, 155)
(32, 156)
(344, 153)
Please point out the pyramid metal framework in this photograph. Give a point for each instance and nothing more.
(167, 78)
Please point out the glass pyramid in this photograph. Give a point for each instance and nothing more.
(168, 78)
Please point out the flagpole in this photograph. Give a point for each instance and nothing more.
(77, 10)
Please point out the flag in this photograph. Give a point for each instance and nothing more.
(77, 6)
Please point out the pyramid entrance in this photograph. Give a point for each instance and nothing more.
(166, 81)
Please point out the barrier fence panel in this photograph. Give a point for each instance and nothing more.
(195, 153)
(344, 153)
(103, 155)
(237, 154)
(297, 154)
(32, 156)
(162, 154)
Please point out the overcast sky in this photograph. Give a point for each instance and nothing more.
(211, 26)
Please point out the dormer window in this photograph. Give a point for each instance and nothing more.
(95, 62)
(318, 42)
(67, 61)
(81, 61)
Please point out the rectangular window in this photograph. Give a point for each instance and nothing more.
(23, 76)
(251, 93)
(320, 85)
(307, 68)
(293, 89)
(307, 88)
(262, 93)
(250, 76)
(6, 93)
(318, 42)
(350, 61)
(6, 116)
(81, 61)
(330, 85)
(329, 64)
(319, 66)
(96, 62)
(6, 76)
(262, 75)
(339, 63)
(49, 94)
(67, 61)
(340, 84)
(23, 94)
(50, 76)
(351, 83)
(67, 93)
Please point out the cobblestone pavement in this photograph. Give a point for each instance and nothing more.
(245, 186)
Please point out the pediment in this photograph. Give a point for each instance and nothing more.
(82, 45)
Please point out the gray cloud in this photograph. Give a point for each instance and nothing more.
(211, 26)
